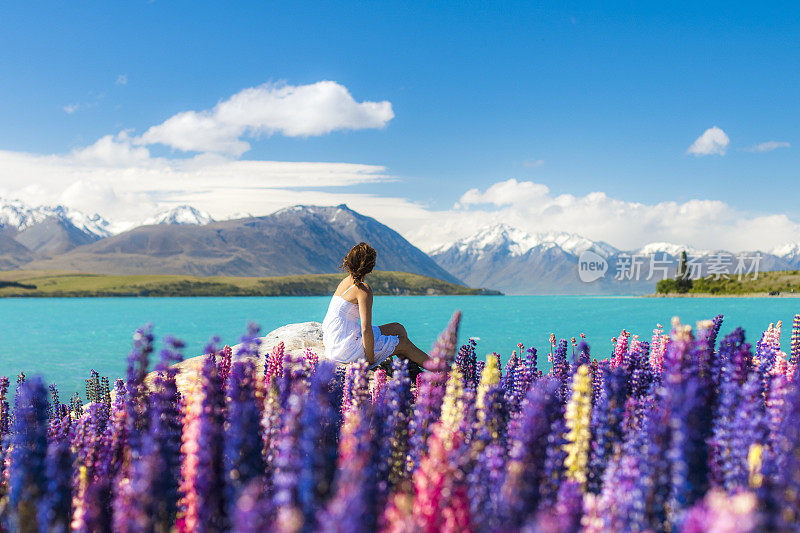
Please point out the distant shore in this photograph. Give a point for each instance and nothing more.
(49, 284)
(709, 295)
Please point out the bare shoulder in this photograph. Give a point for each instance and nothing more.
(364, 290)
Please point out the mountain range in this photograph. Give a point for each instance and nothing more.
(313, 239)
(516, 262)
(296, 240)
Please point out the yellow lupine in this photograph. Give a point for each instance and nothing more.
(453, 405)
(754, 457)
(490, 376)
(577, 417)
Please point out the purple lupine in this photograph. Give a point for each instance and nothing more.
(561, 370)
(392, 434)
(606, 425)
(243, 444)
(485, 483)
(352, 508)
(466, 360)
(159, 470)
(690, 422)
(356, 387)
(528, 452)
(787, 453)
(317, 446)
(27, 471)
(224, 362)
(137, 404)
(91, 442)
(621, 506)
(654, 468)
(748, 428)
(553, 465)
(210, 481)
(5, 415)
(55, 511)
(495, 416)
(508, 378)
(431, 387)
(288, 466)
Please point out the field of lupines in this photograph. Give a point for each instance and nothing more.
(683, 432)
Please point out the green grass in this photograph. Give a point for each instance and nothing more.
(67, 284)
(784, 282)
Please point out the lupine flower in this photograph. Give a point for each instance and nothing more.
(578, 416)
(466, 361)
(431, 389)
(5, 419)
(318, 445)
(224, 361)
(55, 510)
(28, 478)
(526, 466)
(356, 387)
(620, 347)
(674, 435)
(243, 444)
(352, 508)
(192, 401)
(441, 501)
(453, 402)
(489, 376)
(377, 386)
(274, 364)
(794, 356)
(286, 476)
(485, 488)
(210, 479)
(561, 369)
(397, 402)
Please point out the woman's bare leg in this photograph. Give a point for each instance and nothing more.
(405, 348)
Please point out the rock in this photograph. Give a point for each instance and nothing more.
(296, 339)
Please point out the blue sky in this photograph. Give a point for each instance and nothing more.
(579, 97)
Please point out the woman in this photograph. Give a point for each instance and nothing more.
(347, 331)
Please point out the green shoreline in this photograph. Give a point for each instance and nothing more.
(45, 284)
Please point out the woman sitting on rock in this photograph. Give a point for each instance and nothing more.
(347, 331)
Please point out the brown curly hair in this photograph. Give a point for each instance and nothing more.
(359, 261)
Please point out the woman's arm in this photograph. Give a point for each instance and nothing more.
(367, 337)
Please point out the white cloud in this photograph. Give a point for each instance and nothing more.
(125, 184)
(122, 79)
(293, 111)
(713, 141)
(768, 146)
(709, 224)
(71, 108)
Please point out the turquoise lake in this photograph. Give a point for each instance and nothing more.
(64, 338)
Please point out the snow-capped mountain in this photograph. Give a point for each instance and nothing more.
(514, 261)
(668, 248)
(182, 215)
(504, 239)
(789, 252)
(44, 231)
(16, 216)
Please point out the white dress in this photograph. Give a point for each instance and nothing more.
(341, 334)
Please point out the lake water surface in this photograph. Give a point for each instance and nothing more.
(64, 338)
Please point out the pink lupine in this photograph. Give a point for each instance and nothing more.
(274, 364)
(620, 347)
(192, 402)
